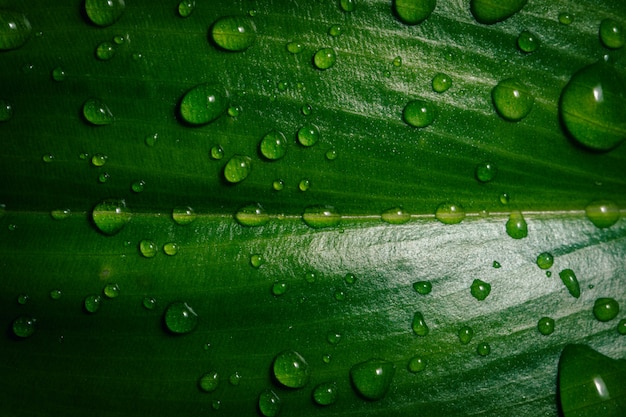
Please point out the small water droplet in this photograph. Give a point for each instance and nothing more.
(119, 39)
(603, 213)
(605, 309)
(269, 403)
(209, 381)
(170, 248)
(273, 146)
(237, 168)
(56, 294)
(419, 113)
(331, 155)
(290, 369)
(149, 303)
(99, 160)
(335, 30)
(257, 260)
(413, 12)
(23, 299)
(234, 33)
(324, 58)
(349, 278)
(621, 327)
(571, 282)
(148, 248)
(485, 172)
(339, 295)
(110, 216)
(545, 260)
(295, 47)
(395, 215)
(488, 12)
(278, 185)
(179, 318)
(326, 358)
(397, 62)
(304, 184)
(58, 74)
(516, 225)
(325, 393)
(217, 152)
(186, 7)
(203, 104)
(480, 289)
(279, 288)
(612, 33)
(333, 337)
(12, 227)
(92, 303)
(111, 290)
(24, 326)
(347, 5)
(6, 110)
(138, 186)
(423, 287)
(419, 325)
(496, 264)
(416, 364)
(512, 99)
(465, 334)
(527, 42)
(97, 112)
(441, 82)
(105, 51)
(47, 158)
(450, 213)
(504, 199)
(234, 111)
(104, 12)
(183, 215)
(15, 29)
(371, 379)
(483, 349)
(545, 325)
(566, 18)
(321, 216)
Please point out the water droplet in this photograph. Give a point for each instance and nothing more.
(217, 152)
(111, 290)
(325, 393)
(397, 62)
(279, 288)
(605, 309)
(278, 185)
(483, 349)
(612, 33)
(295, 47)
(97, 113)
(340, 295)
(273, 146)
(419, 325)
(416, 364)
(105, 51)
(216, 404)
(349, 278)
(148, 248)
(333, 337)
(545, 325)
(23, 299)
(516, 225)
(56, 294)
(60, 214)
(545, 260)
(335, 30)
(423, 287)
(413, 12)
(304, 184)
(331, 154)
(256, 260)
(104, 177)
(571, 282)
(234, 33)
(593, 107)
(488, 12)
(235, 379)
(58, 74)
(179, 318)
(6, 110)
(347, 5)
(527, 42)
(395, 215)
(234, 111)
(485, 172)
(621, 327)
(324, 58)
(441, 82)
(149, 303)
(99, 160)
(512, 99)
(24, 326)
(209, 381)
(450, 213)
(306, 109)
(308, 135)
(237, 168)
(504, 199)
(371, 379)
(419, 113)
(110, 216)
(326, 358)
(321, 216)
(480, 289)
(119, 39)
(47, 158)
(92, 303)
(203, 104)
(496, 264)
(104, 12)
(465, 334)
(603, 213)
(269, 403)
(291, 369)
(186, 7)
(15, 29)
(170, 248)
(138, 186)
(183, 215)
(566, 18)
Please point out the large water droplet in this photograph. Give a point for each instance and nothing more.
(603, 213)
(269, 403)
(324, 58)
(371, 379)
(413, 12)
(605, 309)
(104, 12)
(273, 146)
(179, 318)
(545, 325)
(321, 216)
(419, 325)
(325, 393)
(571, 282)
(480, 289)
(612, 33)
(516, 225)
(450, 213)
(15, 29)
(252, 215)
(512, 99)
(203, 104)
(291, 369)
(419, 113)
(97, 112)
(237, 168)
(110, 216)
(489, 12)
(209, 381)
(24, 326)
(593, 107)
(234, 33)
(395, 216)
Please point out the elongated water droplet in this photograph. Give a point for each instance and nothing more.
(450, 213)
(60, 214)
(413, 12)
(419, 113)
(593, 107)
(512, 99)
(527, 42)
(489, 12)
(252, 215)
(308, 135)
(92, 303)
(148, 248)
(545, 260)
(15, 29)
(423, 287)
(237, 168)
(110, 216)
(416, 364)
(324, 58)
(97, 112)
(571, 282)
(179, 318)
(304, 184)
(480, 289)
(269, 403)
(419, 325)
(465, 334)
(605, 309)
(371, 379)
(612, 33)
(441, 82)
(183, 215)
(24, 326)
(6, 110)
(209, 381)
(186, 7)
(395, 216)
(545, 325)
(203, 104)
(516, 225)
(234, 33)
(603, 213)
(295, 47)
(321, 216)
(347, 5)
(291, 369)
(273, 146)
(104, 12)
(325, 393)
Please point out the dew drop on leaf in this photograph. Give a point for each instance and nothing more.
(237, 168)
(24, 326)
(295, 47)
(545, 260)
(371, 379)
(308, 135)
(419, 113)
(148, 248)
(203, 104)
(347, 5)
(419, 325)
(183, 215)
(395, 215)
(273, 146)
(278, 185)
(269, 403)
(423, 287)
(216, 152)
(6, 110)
(180, 318)
(566, 18)
(489, 12)
(605, 309)
(397, 62)
(612, 33)
(603, 213)
(466, 333)
(569, 279)
(15, 29)
(56, 294)
(92, 303)
(23, 299)
(186, 7)
(110, 216)
(416, 364)
(111, 290)
(105, 51)
(335, 30)
(209, 381)
(99, 159)
(256, 260)
(527, 42)
(349, 278)
(512, 99)
(104, 12)
(97, 112)
(480, 289)
(234, 33)
(496, 264)
(170, 248)
(290, 369)
(441, 82)
(485, 171)
(279, 288)
(331, 154)
(450, 213)
(58, 74)
(545, 325)
(148, 303)
(483, 349)
(138, 186)
(333, 337)
(304, 184)
(324, 58)
(621, 327)
(413, 12)
(325, 393)
(321, 216)
(516, 225)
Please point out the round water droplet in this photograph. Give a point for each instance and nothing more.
(234, 33)
(349, 278)
(603, 213)
(605, 309)
(395, 216)
(256, 260)
(516, 225)
(92, 303)
(269, 403)
(273, 146)
(97, 113)
(295, 47)
(419, 325)
(413, 12)
(58, 74)
(23, 299)
(237, 168)
(416, 364)
(441, 82)
(331, 154)
(234, 111)
(465, 334)
(489, 12)
(340, 295)
(371, 379)
(110, 216)
(99, 160)
(483, 349)
(111, 290)
(325, 393)
(333, 337)
(347, 5)
(148, 248)
(217, 152)
(612, 33)
(306, 109)
(326, 358)
(621, 327)
(209, 381)
(47, 158)
(566, 18)
(183, 215)
(419, 113)
(304, 184)
(335, 30)
(179, 318)
(170, 248)
(527, 42)
(480, 289)
(450, 213)
(321, 216)
(105, 51)
(593, 107)
(512, 99)
(15, 29)
(291, 369)
(278, 185)
(149, 303)
(279, 288)
(24, 326)
(397, 62)
(56, 294)
(485, 172)
(423, 287)
(6, 110)
(104, 12)
(545, 260)
(324, 58)
(203, 104)
(571, 282)
(308, 135)
(186, 7)
(545, 325)
(138, 186)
